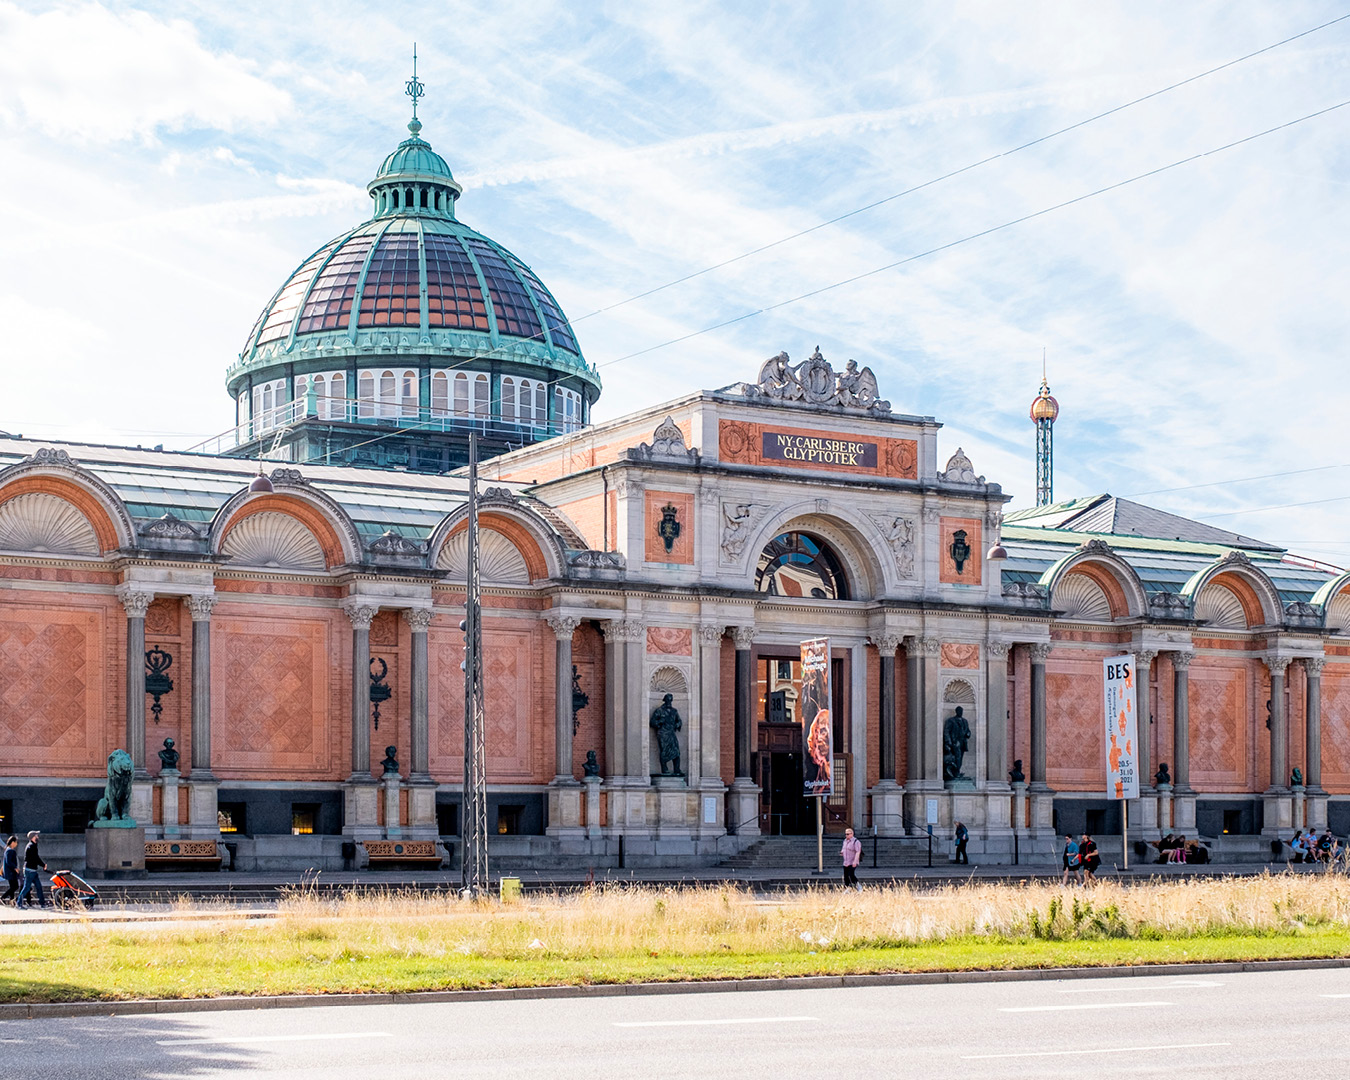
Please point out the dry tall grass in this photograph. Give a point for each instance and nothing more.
(633, 921)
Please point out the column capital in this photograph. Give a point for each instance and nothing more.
(929, 646)
(361, 614)
(1276, 664)
(624, 629)
(998, 650)
(1040, 651)
(201, 606)
(563, 626)
(419, 619)
(744, 636)
(1143, 658)
(885, 642)
(1182, 660)
(1313, 665)
(710, 635)
(135, 602)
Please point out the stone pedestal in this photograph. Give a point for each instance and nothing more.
(1279, 813)
(1183, 812)
(1165, 808)
(1144, 812)
(672, 807)
(114, 854)
(1019, 806)
(203, 820)
(592, 786)
(627, 803)
(393, 811)
(564, 808)
(422, 810)
(888, 808)
(1317, 810)
(1300, 816)
(711, 805)
(168, 803)
(1042, 818)
(360, 815)
(142, 807)
(743, 807)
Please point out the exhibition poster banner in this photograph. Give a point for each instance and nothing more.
(1122, 734)
(817, 728)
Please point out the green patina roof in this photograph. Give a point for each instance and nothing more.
(414, 157)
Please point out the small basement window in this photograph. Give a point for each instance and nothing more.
(231, 818)
(76, 814)
(508, 820)
(303, 817)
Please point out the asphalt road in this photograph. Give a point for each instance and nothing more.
(1292, 1024)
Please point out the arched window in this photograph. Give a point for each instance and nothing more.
(540, 405)
(365, 394)
(508, 400)
(408, 386)
(320, 397)
(482, 397)
(526, 401)
(795, 564)
(337, 397)
(388, 391)
(440, 394)
(461, 394)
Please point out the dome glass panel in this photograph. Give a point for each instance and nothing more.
(331, 301)
(515, 313)
(391, 293)
(454, 297)
(558, 329)
(278, 324)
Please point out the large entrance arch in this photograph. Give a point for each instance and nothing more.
(801, 564)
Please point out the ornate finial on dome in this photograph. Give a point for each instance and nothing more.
(414, 88)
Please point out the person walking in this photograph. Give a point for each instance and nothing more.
(1071, 868)
(1087, 853)
(11, 867)
(852, 856)
(962, 837)
(32, 863)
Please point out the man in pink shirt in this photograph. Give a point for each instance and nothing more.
(852, 853)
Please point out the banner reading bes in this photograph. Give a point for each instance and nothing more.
(1122, 770)
(817, 726)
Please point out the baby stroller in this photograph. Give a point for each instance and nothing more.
(71, 890)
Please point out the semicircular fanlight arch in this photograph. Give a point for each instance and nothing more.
(46, 524)
(499, 561)
(274, 541)
(1220, 608)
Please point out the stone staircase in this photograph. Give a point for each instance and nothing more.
(799, 853)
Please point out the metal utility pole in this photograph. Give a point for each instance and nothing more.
(473, 865)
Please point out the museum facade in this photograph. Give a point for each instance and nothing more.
(269, 624)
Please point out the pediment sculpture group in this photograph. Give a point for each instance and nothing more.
(815, 382)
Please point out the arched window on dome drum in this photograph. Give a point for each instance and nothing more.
(461, 394)
(454, 297)
(408, 388)
(796, 564)
(540, 405)
(482, 397)
(365, 393)
(440, 394)
(320, 395)
(508, 400)
(388, 394)
(337, 398)
(526, 400)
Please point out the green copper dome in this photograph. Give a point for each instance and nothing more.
(414, 159)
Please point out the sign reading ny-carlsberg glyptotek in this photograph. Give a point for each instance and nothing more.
(1122, 734)
(818, 450)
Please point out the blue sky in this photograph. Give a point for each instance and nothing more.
(167, 165)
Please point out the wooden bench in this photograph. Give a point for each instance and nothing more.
(182, 855)
(386, 854)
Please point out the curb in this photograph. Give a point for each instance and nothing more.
(801, 982)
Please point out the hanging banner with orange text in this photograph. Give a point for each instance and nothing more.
(817, 726)
(1122, 729)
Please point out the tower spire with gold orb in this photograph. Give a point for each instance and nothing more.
(1044, 410)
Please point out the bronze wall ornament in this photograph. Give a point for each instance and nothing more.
(580, 699)
(960, 550)
(668, 528)
(380, 691)
(157, 681)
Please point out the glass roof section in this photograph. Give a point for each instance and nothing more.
(278, 324)
(391, 295)
(558, 329)
(454, 296)
(331, 301)
(510, 303)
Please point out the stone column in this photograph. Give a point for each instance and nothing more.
(996, 738)
(711, 785)
(887, 796)
(931, 649)
(563, 628)
(361, 789)
(136, 604)
(1144, 812)
(630, 776)
(1183, 795)
(913, 710)
(1279, 724)
(421, 787)
(743, 802)
(203, 822)
(1042, 798)
(1317, 796)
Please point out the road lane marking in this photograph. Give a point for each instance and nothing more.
(1092, 1005)
(1095, 1050)
(694, 1023)
(274, 1038)
(1134, 988)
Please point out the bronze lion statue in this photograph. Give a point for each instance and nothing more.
(116, 802)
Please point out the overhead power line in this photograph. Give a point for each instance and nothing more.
(1239, 480)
